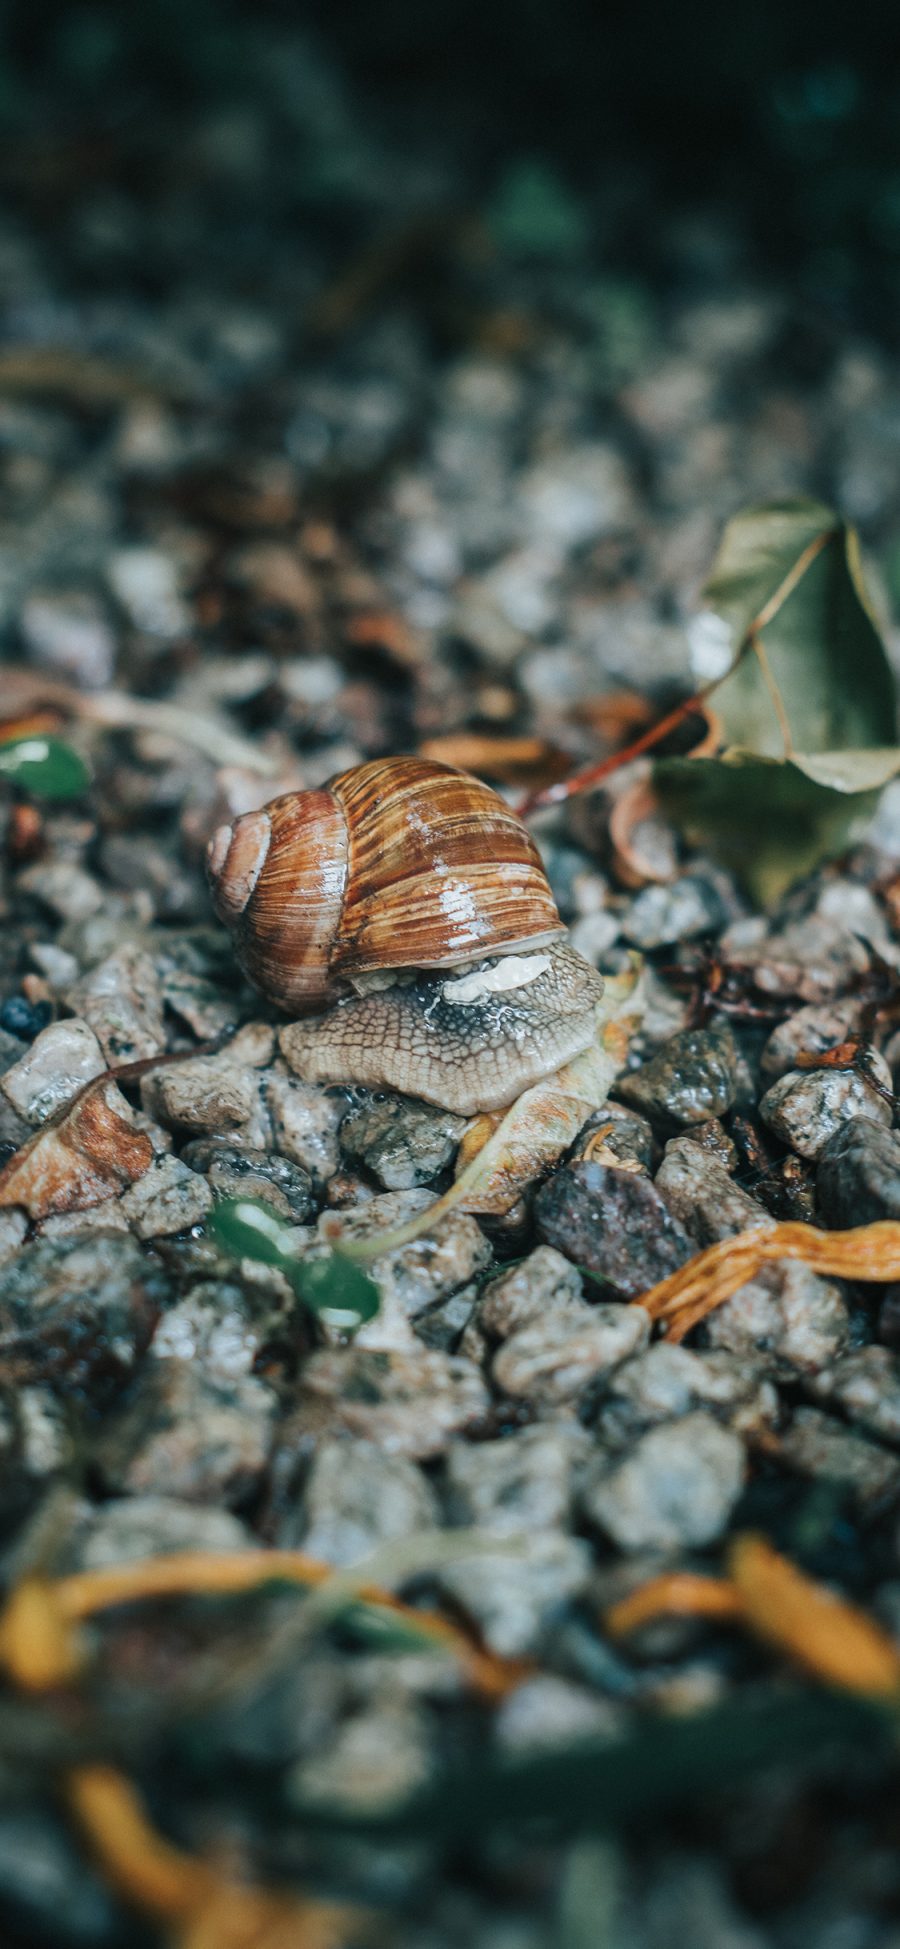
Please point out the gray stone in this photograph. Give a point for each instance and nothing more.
(78, 1311)
(188, 1434)
(409, 1403)
(805, 1107)
(788, 1312)
(401, 1141)
(513, 1597)
(63, 886)
(443, 1325)
(666, 1382)
(695, 1076)
(819, 1447)
(813, 958)
(377, 1758)
(520, 1484)
(675, 1490)
(220, 1326)
(542, 1282)
(121, 1000)
(661, 915)
(413, 1277)
(553, 1361)
(614, 1224)
(811, 1031)
(701, 1194)
(305, 1122)
(547, 1713)
(865, 1386)
(236, 1171)
(627, 1137)
(60, 1060)
(160, 1525)
(356, 1497)
(858, 1176)
(167, 1198)
(212, 1093)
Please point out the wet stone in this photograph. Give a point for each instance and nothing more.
(626, 1136)
(222, 1326)
(141, 1526)
(858, 1175)
(542, 1282)
(414, 1276)
(79, 1311)
(64, 887)
(121, 1001)
(811, 1031)
(667, 1382)
(443, 1326)
(818, 1446)
(520, 1484)
(408, 1402)
(60, 1060)
(554, 1361)
(661, 915)
(167, 1198)
(188, 1434)
(805, 1107)
(514, 1596)
(787, 1312)
(235, 1172)
(356, 1497)
(547, 1713)
(401, 1141)
(305, 1122)
(865, 1388)
(676, 1488)
(813, 958)
(379, 1757)
(212, 1093)
(614, 1224)
(702, 1195)
(695, 1076)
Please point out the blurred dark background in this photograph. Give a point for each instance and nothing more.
(621, 118)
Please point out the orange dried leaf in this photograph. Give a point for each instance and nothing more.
(676, 1593)
(144, 1868)
(37, 1644)
(868, 1252)
(829, 1637)
(513, 761)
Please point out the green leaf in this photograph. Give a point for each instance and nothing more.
(46, 767)
(329, 1283)
(772, 820)
(822, 643)
(335, 1286)
(251, 1230)
(809, 711)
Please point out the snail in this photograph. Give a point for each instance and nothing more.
(401, 915)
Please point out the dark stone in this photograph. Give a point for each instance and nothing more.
(79, 1310)
(694, 1076)
(858, 1176)
(614, 1224)
(237, 1172)
(24, 1019)
(628, 1136)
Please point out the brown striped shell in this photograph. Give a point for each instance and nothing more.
(400, 863)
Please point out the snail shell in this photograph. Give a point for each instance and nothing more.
(400, 863)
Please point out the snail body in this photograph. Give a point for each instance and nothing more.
(407, 901)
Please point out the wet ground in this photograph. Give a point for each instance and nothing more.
(293, 480)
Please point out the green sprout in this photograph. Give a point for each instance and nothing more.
(47, 767)
(329, 1284)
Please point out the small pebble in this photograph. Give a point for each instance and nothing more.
(858, 1175)
(356, 1497)
(614, 1224)
(695, 1076)
(806, 1107)
(675, 1490)
(553, 1361)
(401, 1141)
(409, 1402)
(60, 1060)
(189, 1435)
